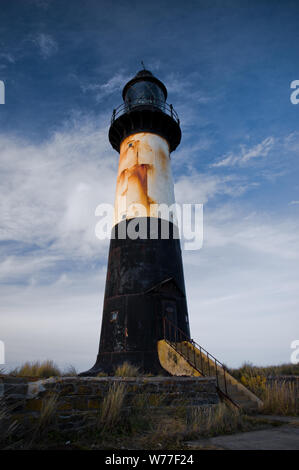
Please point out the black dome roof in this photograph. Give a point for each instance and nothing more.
(144, 75)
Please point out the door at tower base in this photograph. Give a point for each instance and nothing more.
(144, 284)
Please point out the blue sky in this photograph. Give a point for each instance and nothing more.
(228, 66)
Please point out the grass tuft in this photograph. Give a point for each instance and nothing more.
(127, 370)
(111, 407)
(219, 419)
(102, 374)
(8, 426)
(43, 369)
(70, 371)
(47, 412)
(280, 398)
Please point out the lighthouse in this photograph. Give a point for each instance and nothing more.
(145, 281)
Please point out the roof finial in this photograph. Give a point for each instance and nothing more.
(142, 63)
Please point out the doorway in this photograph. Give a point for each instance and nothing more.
(169, 312)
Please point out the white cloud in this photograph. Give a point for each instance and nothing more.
(260, 150)
(7, 57)
(47, 45)
(50, 190)
(102, 90)
(291, 142)
(199, 188)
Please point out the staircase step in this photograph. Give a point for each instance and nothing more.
(226, 383)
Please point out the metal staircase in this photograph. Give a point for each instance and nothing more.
(207, 365)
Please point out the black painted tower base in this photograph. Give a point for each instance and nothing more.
(145, 283)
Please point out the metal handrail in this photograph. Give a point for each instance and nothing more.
(174, 331)
(141, 102)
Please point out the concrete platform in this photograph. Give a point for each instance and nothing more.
(284, 437)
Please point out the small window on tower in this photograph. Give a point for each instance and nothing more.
(114, 315)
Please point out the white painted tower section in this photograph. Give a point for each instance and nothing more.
(144, 179)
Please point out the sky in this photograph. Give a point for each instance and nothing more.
(228, 66)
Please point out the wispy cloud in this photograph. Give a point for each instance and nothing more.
(7, 57)
(246, 154)
(46, 44)
(201, 188)
(50, 191)
(291, 142)
(101, 90)
(42, 3)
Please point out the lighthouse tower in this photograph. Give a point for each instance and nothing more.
(145, 281)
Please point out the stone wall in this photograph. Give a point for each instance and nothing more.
(79, 398)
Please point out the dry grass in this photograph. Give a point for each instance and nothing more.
(219, 419)
(48, 411)
(280, 398)
(127, 370)
(111, 408)
(163, 432)
(8, 426)
(46, 418)
(70, 371)
(170, 432)
(248, 369)
(256, 383)
(102, 374)
(43, 369)
(142, 401)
